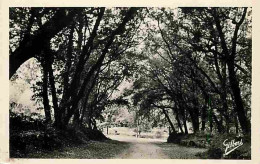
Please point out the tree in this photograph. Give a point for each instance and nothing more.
(190, 66)
(31, 45)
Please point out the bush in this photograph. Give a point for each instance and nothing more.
(22, 122)
(23, 142)
(28, 134)
(176, 138)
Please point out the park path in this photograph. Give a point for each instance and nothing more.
(141, 148)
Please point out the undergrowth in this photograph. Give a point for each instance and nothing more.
(29, 135)
(214, 144)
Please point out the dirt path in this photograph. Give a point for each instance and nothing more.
(154, 149)
(140, 148)
(143, 151)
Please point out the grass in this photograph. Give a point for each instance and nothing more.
(91, 150)
(173, 151)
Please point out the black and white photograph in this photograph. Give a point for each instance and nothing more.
(130, 82)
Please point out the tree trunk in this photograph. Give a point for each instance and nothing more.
(203, 117)
(49, 62)
(68, 63)
(223, 92)
(194, 120)
(76, 118)
(245, 125)
(211, 124)
(169, 120)
(179, 122)
(87, 96)
(175, 110)
(45, 97)
(185, 126)
(236, 125)
(220, 127)
(210, 117)
(183, 114)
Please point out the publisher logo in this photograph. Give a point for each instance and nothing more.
(231, 145)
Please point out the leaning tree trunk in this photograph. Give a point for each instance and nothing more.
(87, 94)
(245, 125)
(179, 121)
(169, 120)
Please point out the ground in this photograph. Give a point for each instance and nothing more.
(142, 148)
(122, 147)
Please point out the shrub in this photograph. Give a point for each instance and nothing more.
(19, 121)
(175, 138)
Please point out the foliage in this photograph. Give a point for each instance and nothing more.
(189, 68)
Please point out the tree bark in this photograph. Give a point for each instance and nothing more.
(245, 125)
(194, 120)
(179, 122)
(76, 118)
(87, 96)
(175, 110)
(183, 114)
(223, 94)
(218, 123)
(185, 126)
(45, 97)
(48, 61)
(68, 62)
(57, 112)
(236, 125)
(169, 120)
